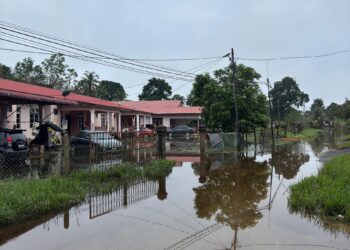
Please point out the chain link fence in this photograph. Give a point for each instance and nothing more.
(87, 151)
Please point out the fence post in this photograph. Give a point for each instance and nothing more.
(161, 131)
(202, 139)
(66, 150)
(162, 193)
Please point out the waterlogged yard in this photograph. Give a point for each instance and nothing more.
(220, 201)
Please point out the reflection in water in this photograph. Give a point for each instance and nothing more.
(287, 160)
(127, 194)
(232, 192)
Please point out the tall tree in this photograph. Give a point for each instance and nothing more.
(111, 91)
(54, 69)
(178, 97)
(5, 72)
(196, 97)
(286, 95)
(27, 72)
(317, 110)
(156, 89)
(216, 96)
(88, 84)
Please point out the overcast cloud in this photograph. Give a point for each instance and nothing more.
(183, 28)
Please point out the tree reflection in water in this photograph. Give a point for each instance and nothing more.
(287, 160)
(232, 192)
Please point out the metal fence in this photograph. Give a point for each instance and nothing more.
(95, 151)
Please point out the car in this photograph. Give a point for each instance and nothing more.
(13, 147)
(103, 140)
(180, 130)
(144, 132)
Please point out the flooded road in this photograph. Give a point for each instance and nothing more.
(222, 201)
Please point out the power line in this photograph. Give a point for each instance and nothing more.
(86, 49)
(98, 61)
(293, 57)
(173, 59)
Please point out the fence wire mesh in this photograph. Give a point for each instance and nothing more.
(88, 151)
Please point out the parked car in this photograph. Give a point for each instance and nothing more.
(103, 140)
(180, 130)
(150, 126)
(144, 132)
(13, 147)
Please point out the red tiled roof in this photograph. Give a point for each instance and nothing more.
(37, 93)
(162, 107)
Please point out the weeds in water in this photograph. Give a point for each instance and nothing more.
(24, 199)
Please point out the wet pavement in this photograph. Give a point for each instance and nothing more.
(222, 201)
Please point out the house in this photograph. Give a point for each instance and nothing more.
(169, 113)
(25, 105)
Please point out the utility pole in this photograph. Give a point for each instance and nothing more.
(271, 120)
(234, 88)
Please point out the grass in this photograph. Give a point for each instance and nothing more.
(307, 133)
(327, 194)
(343, 142)
(24, 199)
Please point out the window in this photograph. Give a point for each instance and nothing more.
(103, 120)
(34, 116)
(18, 118)
(81, 120)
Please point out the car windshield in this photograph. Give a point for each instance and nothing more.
(101, 136)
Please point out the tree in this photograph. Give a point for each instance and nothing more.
(156, 89)
(5, 72)
(70, 79)
(334, 110)
(196, 97)
(317, 111)
(178, 97)
(27, 72)
(111, 91)
(285, 96)
(216, 96)
(88, 84)
(54, 69)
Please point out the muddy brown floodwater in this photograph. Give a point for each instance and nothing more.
(224, 201)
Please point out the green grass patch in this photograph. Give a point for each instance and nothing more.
(343, 142)
(327, 194)
(24, 199)
(307, 133)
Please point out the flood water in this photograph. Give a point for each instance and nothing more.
(222, 201)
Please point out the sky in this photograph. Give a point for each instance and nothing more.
(189, 29)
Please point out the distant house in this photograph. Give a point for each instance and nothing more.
(169, 113)
(23, 105)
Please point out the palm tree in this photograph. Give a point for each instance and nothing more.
(87, 85)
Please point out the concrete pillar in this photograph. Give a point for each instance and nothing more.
(119, 122)
(66, 150)
(108, 120)
(92, 120)
(40, 114)
(161, 131)
(137, 122)
(202, 139)
(3, 118)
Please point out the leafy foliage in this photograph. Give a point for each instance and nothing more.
(178, 97)
(111, 91)
(317, 110)
(216, 96)
(88, 84)
(285, 96)
(156, 89)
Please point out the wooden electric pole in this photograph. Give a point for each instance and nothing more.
(234, 88)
